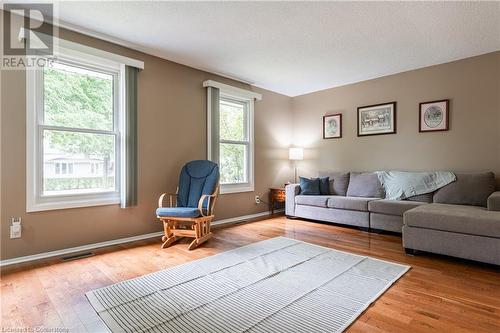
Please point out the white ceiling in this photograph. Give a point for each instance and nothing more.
(296, 47)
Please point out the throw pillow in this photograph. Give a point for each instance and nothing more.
(309, 186)
(324, 185)
(365, 185)
(338, 182)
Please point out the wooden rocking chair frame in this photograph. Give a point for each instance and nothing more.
(198, 228)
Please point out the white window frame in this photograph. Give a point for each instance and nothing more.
(35, 201)
(244, 96)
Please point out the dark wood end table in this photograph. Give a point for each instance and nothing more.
(275, 195)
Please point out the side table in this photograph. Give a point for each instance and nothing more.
(275, 195)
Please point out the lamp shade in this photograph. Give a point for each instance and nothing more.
(295, 154)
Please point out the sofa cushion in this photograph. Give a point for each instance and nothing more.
(494, 201)
(471, 220)
(324, 185)
(178, 212)
(338, 182)
(469, 189)
(365, 185)
(312, 200)
(309, 186)
(349, 203)
(392, 207)
(422, 197)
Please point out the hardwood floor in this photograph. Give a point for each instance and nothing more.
(438, 294)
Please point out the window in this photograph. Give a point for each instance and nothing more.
(62, 169)
(230, 139)
(78, 121)
(74, 134)
(81, 129)
(234, 141)
(94, 168)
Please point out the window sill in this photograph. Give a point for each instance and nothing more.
(73, 203)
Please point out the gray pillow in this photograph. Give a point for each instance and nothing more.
(338, 182)
(365, 185)
(469, 189)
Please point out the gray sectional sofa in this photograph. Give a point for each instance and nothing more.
(461, 219)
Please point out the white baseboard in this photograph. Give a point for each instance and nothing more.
(87, 247)
(243, 218)
(78, 249)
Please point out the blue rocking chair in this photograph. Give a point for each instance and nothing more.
(191, 209)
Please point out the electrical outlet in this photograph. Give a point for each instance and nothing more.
(257, 199)
(15, 227)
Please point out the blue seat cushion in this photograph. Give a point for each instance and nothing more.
(178, 212)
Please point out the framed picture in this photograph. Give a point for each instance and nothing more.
(377, 119)
(332, 126)
(433, 116)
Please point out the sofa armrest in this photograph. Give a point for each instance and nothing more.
(494, 201)
(291, 190)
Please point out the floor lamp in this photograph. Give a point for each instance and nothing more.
(295, 154)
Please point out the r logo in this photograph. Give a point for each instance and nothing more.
(28, 21)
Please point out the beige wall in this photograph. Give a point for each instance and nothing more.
(472, 144)
(172, 131)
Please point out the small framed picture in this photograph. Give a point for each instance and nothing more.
(377, 119)
(434, 116)
(332, 126)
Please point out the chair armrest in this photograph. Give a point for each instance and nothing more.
(291, 191)
(172, 199)
(494, 201)
(210, 205)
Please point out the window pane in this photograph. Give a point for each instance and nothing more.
(232, 120)
(74, 154)
(233, 163)
(79, 98)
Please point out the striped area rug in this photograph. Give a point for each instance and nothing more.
(277, 285)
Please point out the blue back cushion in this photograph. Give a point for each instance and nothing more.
(197, 178)
(309, 186)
